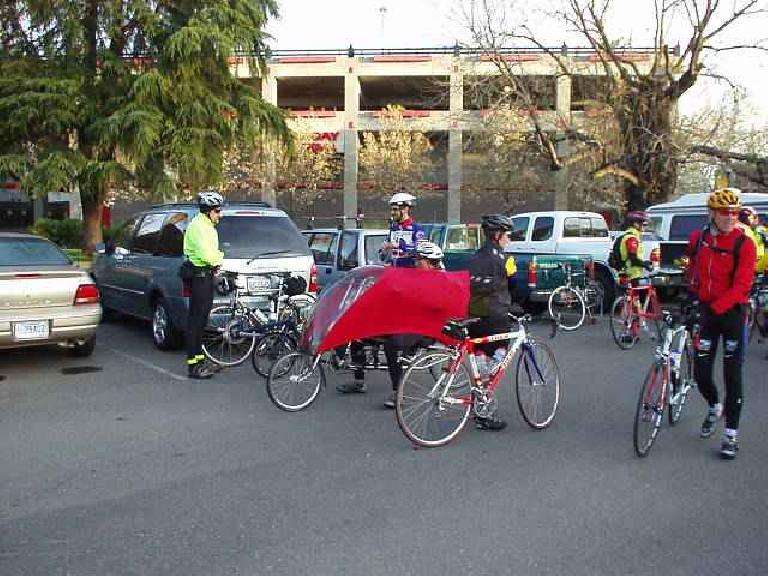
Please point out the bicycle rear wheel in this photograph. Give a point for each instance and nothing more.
(567, 307)
(268, 349)
(434, 400)
(537, 384)
(683, 386)
(228, 337)
(294, 381)
(650, 409)
(624, 323)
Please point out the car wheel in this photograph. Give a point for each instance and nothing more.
(164, 334)
(83, 349)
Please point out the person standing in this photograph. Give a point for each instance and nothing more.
(404, 232)
(201, 248)
(722, 267)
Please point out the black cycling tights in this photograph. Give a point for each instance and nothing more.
(729, 326)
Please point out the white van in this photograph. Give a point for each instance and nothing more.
(678, 219)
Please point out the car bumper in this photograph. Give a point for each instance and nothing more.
(64, 325)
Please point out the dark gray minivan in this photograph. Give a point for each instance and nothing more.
(137, 271)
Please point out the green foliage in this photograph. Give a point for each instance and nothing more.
(67, 233)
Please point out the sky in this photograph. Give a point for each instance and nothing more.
(326, 24)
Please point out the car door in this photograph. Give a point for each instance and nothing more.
(541, 234)
(519, 234)
(371, 245)
(109, 267)
(348, 252)
(141, 264)
(324, 247)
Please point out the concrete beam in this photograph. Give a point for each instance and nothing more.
(455, 175)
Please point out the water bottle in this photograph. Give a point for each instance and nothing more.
(483, 366)
(498, 358)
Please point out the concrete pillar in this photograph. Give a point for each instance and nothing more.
(455, 147)
(38, 206)
(269, 183)
(75, 203)
(563, 110)
(351, 112)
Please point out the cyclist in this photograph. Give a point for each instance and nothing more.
(428, 256)
(201, 247)
(750, 223)
(404, 233)
(490, 299)
(721, 271)
(631, 248)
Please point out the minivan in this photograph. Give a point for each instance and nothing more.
(137, 271)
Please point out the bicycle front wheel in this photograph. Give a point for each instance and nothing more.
(537, 384)
(624, 323)
(268, 349)
(567, 307)
(682, 386)
(434, 399)
(650, 409)
(228, 337)
(294, 381)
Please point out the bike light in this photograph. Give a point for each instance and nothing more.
(87, 294)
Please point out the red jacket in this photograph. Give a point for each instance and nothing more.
(711, 271)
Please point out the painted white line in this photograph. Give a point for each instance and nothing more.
(144, 363)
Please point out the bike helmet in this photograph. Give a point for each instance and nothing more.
(494, 222)
(402, 199)
(209, 199)
(748, 216)
(428, 250)
(724, 198)
(637, 217)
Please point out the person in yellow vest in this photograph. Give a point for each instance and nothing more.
(750, 224)
(201, 248)
(631, 248)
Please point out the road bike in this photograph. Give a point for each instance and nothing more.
(632, 312)
(570, 304)
(442, 388)
(667, 383)
(757, 311)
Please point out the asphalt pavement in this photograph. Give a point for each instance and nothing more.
(117, 464)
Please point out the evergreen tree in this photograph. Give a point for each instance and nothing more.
(99, 93)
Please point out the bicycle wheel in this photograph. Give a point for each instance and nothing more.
(537, 384)
(595, 299)
(294, 381)
(567, 307)
(624, 323)
(226, 339)
(650, 409)
(269, 348)
(433, 401)
(683, 385)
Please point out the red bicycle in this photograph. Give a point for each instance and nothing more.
(633, 312)
(439, 391)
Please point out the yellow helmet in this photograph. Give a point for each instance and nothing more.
(725, 198)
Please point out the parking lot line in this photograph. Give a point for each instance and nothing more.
(146, 364)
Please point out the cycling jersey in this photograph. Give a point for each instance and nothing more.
(758, 236)
(404, 235)
(631, 249)
(201, 243)
(489, 273)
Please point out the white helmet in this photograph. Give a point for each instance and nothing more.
(429, 250)
(402, 199)
(210, 199)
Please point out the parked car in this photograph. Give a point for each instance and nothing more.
(44, 297)
(137, 272)
(336, 252)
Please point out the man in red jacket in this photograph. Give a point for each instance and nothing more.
(722, 267)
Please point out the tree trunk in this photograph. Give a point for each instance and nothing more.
(91, 223)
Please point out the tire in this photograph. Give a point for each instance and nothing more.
(624, 324)
(294, 381)
(567, 308)
(650, 410)
(223, 341)
(537, 384)
(433, 403)
(164, 333)
(84, 349)
(684, 385)
(268, 349)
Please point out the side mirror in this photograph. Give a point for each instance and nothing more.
(101, 248)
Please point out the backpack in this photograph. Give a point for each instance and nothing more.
(614, 257)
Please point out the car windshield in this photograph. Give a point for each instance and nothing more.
(260, 236)
(30, 252)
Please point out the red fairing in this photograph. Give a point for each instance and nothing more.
(712, 269)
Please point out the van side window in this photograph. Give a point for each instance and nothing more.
(542, 228)
(372, 246)
(148, 233)
(323, 247)
(683, 225)
(348, 251)
(519, 228)
(171, 241)
(654, 225)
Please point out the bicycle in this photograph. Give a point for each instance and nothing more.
(438, 392)
(666, 385)
(629, 314)
(570, 304)
(757, 311)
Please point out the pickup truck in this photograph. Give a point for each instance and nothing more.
(336, 252)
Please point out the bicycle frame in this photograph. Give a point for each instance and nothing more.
(633, 296)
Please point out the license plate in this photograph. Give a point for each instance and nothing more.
(258, 283)
(33, 330)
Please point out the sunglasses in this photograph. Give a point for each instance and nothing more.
(728, 211)
(217, 210)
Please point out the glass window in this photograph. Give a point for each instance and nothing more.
(436, 235)
(654, 224)
(519, 228)
(461, 238)
(348, 251)
(323, 247)
(542, 229)
(585, 227)
(20, 251)
(146, 239)
(684, 225)
(372, 245)
(599, 228)
(172, 235)
(252, 236)
(124, 234)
